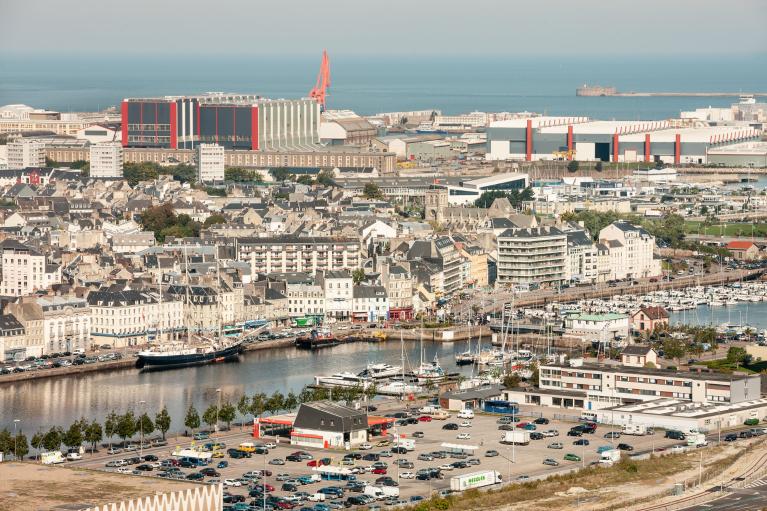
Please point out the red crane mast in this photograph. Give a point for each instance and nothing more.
(319, 92)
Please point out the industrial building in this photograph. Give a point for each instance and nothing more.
(234, 121)
(580, 138)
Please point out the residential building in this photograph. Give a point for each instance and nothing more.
(30, 315)
(532, 256)
(25, 270)
(306, 300)
(399, 285)
(743, 250)
(581, 259)
(66, 324)
(299, 254)
(210, 163)
(631, 251)
(337, 287)
(647, 319)
(106, 160)
(26, 152)
(370, 304)
(639, 356)
(12, 338)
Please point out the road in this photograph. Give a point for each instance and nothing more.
(751, 498)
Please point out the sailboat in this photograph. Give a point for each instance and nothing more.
(399, 387)
(197, 349)
(467, 357)
(429, 370)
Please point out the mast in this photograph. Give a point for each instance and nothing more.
(218, 295)
(186, 292)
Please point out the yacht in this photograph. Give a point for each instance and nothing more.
(380, 371)
(429, 371)
(342, 379)
(398, 388)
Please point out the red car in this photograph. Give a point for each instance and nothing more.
(522, 425)
(424, 418)
(284, 504)
(379, 471)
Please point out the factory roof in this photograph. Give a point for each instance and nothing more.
(537, 122)
(679, 408)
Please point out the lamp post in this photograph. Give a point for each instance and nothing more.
(141, 427)
(218, 391)
(15, 439)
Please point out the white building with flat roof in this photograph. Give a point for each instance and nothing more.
(25, 152)
(210, 163)
(107, 160)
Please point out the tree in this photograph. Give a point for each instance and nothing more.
(358, 275)
(674, 349)
(214, 219)
(110, 425)
(511, 380)
(210, 417)
(137, 172)
(240, 175)
(127, 425)
(227, 413)
(145, 425)
(291, 401)
(258, 404)
(162, 421)
(535, 376)
(37, 441)
(243, 406)
(93, 434)
(182, 172)
(326, 178)
(304, 179)
(738, 356)
(6, 441)
(275, 403)
(73, 437)
(372, 191)
(20, 446)
(52, 439)
(163, 221)
(192, 419)
(281, 174)
(599, 166)
(573, 166)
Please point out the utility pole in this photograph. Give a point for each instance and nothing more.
(141, 427)
(218, 391)
(15, 439)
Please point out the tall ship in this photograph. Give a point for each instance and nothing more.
(317, 340)
(196, 348)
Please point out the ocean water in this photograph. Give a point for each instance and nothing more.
(386, 83)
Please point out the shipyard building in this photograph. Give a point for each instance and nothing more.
(580, 138)
(233, 121)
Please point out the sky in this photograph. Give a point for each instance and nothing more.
(385, 27)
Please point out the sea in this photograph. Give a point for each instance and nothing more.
(381, 83)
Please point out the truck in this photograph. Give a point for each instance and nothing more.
(407, 443)
(317, 497)
(610, 456)
(374, 491)
(389, 491)
(521, 437)
(51, 458)
(475, 480)
(696, 440)
(634, 429)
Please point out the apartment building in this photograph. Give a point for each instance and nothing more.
(25, 270)
(337, 286)
(285, 254)
(12, 338)
(131, 318)
(370, 303)
(66, 323)
(210, 163)
(400, 286)
(581, 259)
(106, 160)
(305, 300)
(201, 307)
(532, 256)
(30, 315)
(600, 385)
(631, 251)
(25, 152)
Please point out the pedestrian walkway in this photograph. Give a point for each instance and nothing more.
(756, 484)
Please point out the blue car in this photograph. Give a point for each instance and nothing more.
(222, 464)
(321, 507)
(603, 448)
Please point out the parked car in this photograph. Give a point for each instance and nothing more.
(625, 447)
(581, 441)
(492, 453)
(555, 445)
(731, 437)
(450, 426)
(550, 461)
(541, 420)
(572, 457)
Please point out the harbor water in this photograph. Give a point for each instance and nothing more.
(58, 401)
(742, 313)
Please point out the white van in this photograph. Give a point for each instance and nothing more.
(466, 414)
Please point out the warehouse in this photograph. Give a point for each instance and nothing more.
(746, 154)
(579, 138)
(235, 121)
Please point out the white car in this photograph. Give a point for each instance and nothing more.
(463, 436)
(550, 433)
(365, 447)
(270, 445)
(124, 470)
(446, 466)
(465, 424)
(678, 449)
(232, 482)
(407, 475)
(74, 456)
(156, 464)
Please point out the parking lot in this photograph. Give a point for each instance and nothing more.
(513, 462)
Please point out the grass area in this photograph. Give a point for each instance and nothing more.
(722, 365)
(593, 479)
(728, 229)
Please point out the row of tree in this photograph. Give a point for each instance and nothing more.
(515, 197)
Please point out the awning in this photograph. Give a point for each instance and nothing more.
(460, 447)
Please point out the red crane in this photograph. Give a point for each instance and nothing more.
(320, 89)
